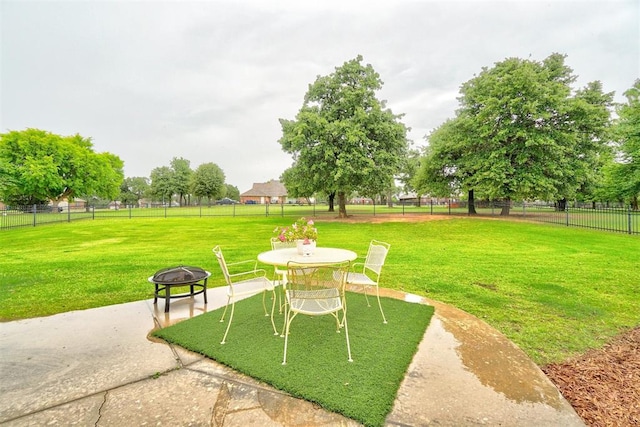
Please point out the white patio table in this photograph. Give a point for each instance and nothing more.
(281, 257)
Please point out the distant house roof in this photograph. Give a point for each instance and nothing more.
(272, 188)
(408, 196)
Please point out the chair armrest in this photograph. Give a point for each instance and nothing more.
(357, 265)
(259, 272)
(255, 263)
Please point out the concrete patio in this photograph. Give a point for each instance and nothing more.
(98, 367)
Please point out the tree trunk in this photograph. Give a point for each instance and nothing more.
(506, 207)
(562, 205)
(342, 205)
(472, 204)
(389, 199)
(332, 198)
(634, 203)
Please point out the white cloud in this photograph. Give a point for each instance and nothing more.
(208, 80)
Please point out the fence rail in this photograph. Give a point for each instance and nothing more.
(614, 219)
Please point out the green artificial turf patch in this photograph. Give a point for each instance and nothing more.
(317, 368)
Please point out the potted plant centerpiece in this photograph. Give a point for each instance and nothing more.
(303, 232)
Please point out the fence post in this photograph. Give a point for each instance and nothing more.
(35, 212)
(431, 207)
(566, 210)
(629, 219)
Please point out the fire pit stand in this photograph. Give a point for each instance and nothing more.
(182, 275)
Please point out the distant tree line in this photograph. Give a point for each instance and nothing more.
(207, 181)
(39, 167)
(521, 132)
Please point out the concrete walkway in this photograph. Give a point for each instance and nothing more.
(97, 367)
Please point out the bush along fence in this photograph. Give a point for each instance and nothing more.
(615, 219)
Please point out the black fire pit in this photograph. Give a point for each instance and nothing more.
(182, 275)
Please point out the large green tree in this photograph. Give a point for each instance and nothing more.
(626, 174)
(208, 181)
(181, 178)
(344, 139)
(520, 133)
(162, 184)
(133, 189)
(38, 166)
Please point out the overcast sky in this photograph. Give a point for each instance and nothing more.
(208, 80)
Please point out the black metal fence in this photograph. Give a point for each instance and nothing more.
(615, 219)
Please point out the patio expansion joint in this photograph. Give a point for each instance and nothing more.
(235, 379)
(60, 404)
(102, 405)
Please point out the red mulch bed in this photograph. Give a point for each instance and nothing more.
(603, 385)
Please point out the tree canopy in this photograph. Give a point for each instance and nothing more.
(343, 139)
(181, 178)
(520, 133)
(162, 184)
(38, 166)
(626, 173)
(208, 181)
(133, 189)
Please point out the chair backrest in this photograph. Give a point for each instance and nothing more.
(376, 256)
(279, 244)
(311, 281)
(223, 265)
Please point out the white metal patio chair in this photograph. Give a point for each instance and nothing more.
(316, 290)
(279, 273)
(367, 273)
(245, 283)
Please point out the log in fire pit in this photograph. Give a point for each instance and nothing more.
(182, 275)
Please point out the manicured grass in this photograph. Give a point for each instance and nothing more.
(364, 389)
(555, 291)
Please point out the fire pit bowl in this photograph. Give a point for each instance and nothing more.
(182, 275)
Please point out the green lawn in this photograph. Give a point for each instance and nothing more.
(555, 291)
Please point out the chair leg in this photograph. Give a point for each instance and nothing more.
(286, 334)
(384, 319)
(233, 306)
(264, 302)
(273, 306)
(365, 295)
(284, 324)
(279, 296)
(346, 333)
(225, 310)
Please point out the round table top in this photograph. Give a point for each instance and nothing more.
(280, 257)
